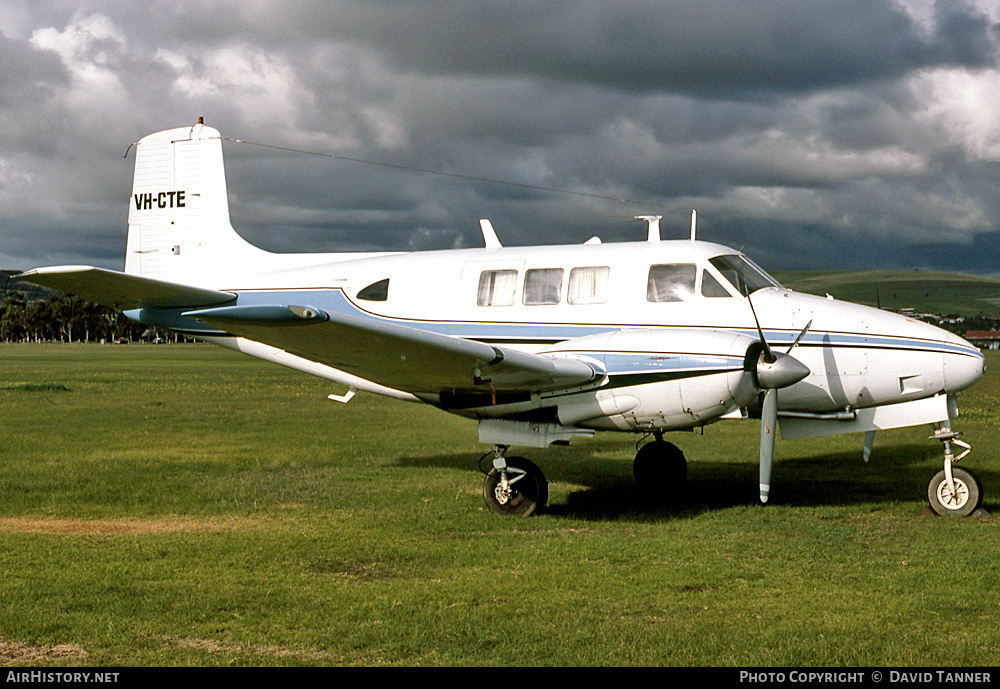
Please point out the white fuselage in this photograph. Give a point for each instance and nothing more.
(598, 301)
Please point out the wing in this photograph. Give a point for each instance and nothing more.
(396, 356)
(122, 291)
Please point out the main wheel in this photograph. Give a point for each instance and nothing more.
(659, 466)
(526, 491)
(966, 498)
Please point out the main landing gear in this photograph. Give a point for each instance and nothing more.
(953, 491)
(659, 467)
(515, 486)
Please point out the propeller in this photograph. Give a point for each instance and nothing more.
(772, 372)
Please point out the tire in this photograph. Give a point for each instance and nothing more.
(967, 498)
(526, 496)
(659, 467)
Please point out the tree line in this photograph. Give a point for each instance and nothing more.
(29, 313)
(64, 318)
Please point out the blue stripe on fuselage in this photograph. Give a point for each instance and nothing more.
(335, 301)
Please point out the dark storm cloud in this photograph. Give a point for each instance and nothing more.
(26, 73)
(723, 49)
(28, 76)
(964, 37)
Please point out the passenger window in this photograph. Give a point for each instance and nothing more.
(542, 286)
(674, 282)
(496, 287)
(377, 291)
(710, 287)
(588, 285)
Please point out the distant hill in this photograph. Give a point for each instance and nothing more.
(941, 293)
(31, 292)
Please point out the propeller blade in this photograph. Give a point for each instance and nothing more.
(799, 338)
(773, 371)
(768, 420)
(768, 355)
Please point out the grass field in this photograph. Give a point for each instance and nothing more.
(183, 505)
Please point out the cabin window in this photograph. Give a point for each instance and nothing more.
(673, 282)
(496, 287)
(377, 291)
(542, 286)
(710, 287)
(588, 285)
(745, 276)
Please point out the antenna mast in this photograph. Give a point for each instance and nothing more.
(653, 231)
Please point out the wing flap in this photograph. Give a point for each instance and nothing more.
(397, 356)
(121, 290)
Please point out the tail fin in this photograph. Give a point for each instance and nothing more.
(178, 222)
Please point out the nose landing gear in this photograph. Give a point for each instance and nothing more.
(953, 491)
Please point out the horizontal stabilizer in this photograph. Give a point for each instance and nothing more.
(122, 291)
(398, 356)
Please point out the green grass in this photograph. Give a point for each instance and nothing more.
(184, 505)
(941, 293)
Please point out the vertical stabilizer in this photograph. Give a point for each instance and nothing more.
(178, 222)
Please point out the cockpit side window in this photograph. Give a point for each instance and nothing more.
(671, 282)
(744, 275)
(710, 287)
(377, 291)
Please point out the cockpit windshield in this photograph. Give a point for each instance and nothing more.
(743, 273)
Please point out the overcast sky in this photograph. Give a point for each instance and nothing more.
(811, 133)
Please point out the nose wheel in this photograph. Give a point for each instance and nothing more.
(960, 498)
(953, 491)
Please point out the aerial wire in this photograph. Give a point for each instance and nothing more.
(453, 175)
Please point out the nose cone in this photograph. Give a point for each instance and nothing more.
(963, 365)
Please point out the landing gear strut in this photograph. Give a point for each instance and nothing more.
(515, 486)
(953, 492)
(659, 467)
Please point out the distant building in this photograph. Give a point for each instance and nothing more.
(984, 339)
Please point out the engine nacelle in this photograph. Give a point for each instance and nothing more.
(660, 379)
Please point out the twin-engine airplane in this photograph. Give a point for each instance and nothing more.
(539, 344)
